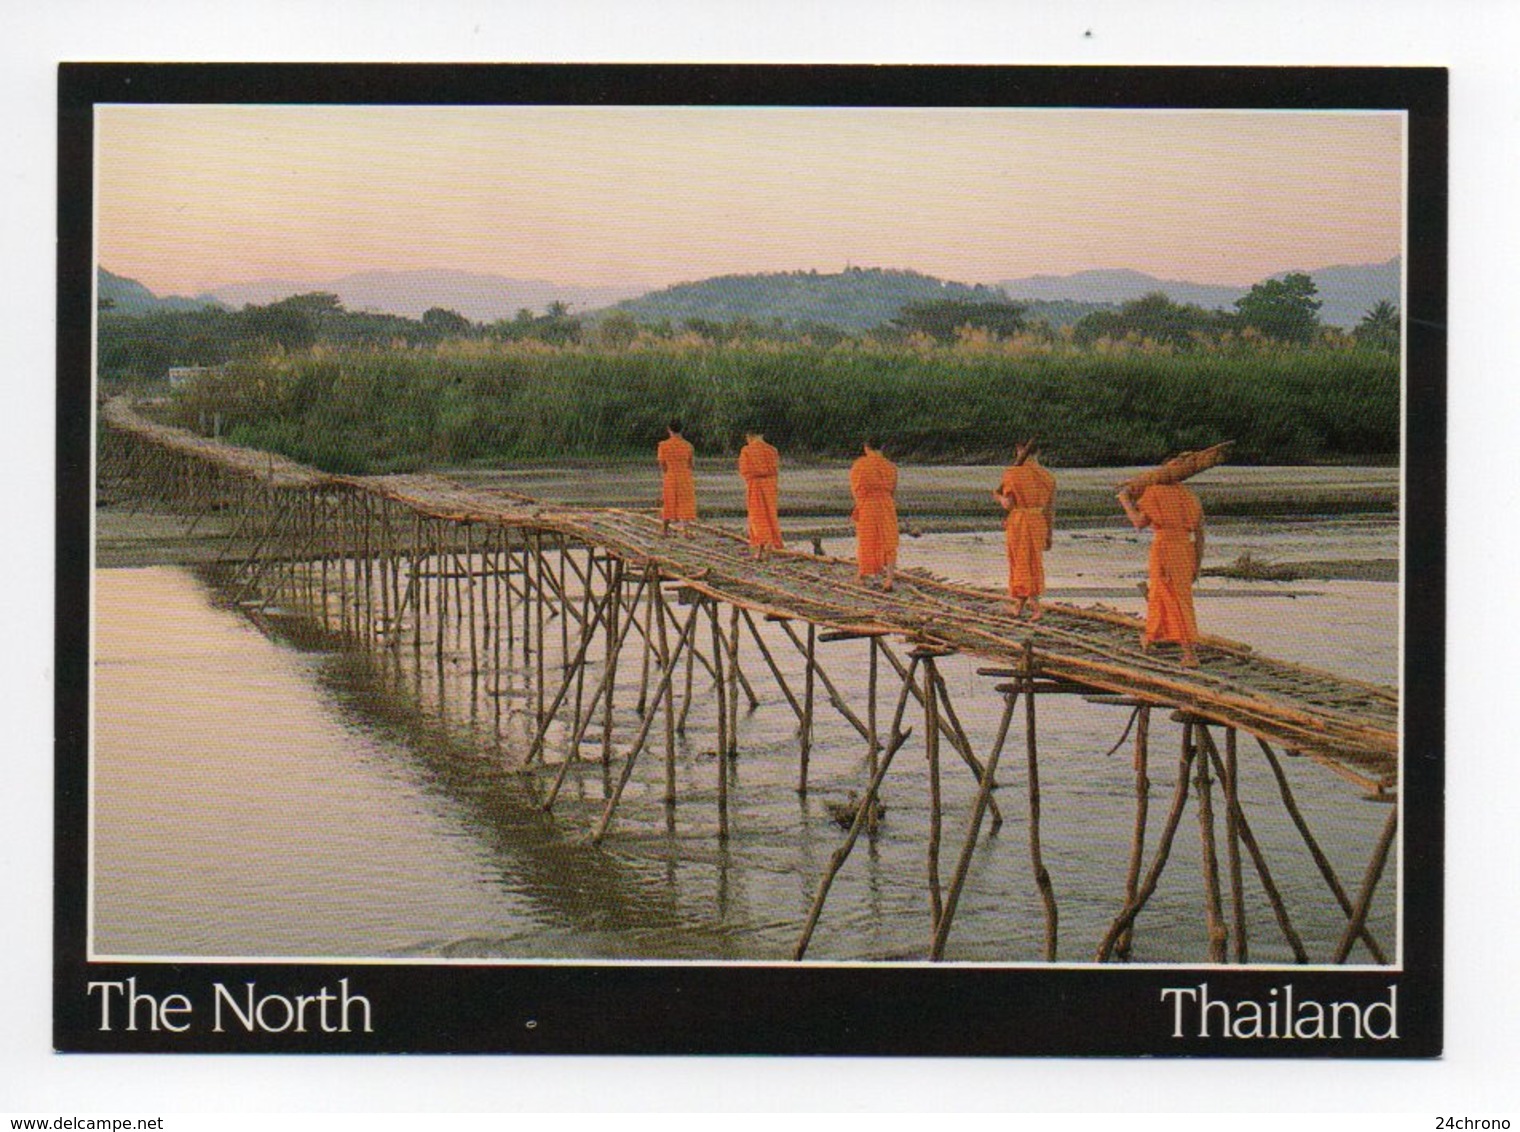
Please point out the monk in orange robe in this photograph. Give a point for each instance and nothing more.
(1175, 515)
(760, 464)
(873, 483)
(678, 488)
(1028, 494)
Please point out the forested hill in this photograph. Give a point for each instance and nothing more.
(854, 300)
(128, 296)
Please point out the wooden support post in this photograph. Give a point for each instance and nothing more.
(614, 643)
(657, 592)
(1163, 850)
(1218, 936)
(872, 745)
(823, 678)
(1320, 860)
(956, 736)
(936, 815)
(468, 569)
(973, 830)
(722, 690)
(1369, 887)
(1041, 875)
(505, 585)
(643, 702)
(1232, 845)
(535, 749)
(441, 606)
(342, 525)
(686, 698)
(564, 603)
(383, 552)
(867, 805)
(806, 730)
(1142, 811)
(770, 662)
(666, 678)
(733, 684)
(1269, 886)
(538, 623)
(604, 686)
(962, 744)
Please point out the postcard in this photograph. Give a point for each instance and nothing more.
(791, 560)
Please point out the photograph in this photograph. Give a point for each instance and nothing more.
(914, 560)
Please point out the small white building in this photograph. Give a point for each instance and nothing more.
(182, 375)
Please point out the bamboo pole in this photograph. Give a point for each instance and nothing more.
(535, 749)
(1142, 812)
(1369, 887)
(722, 691)
(770, 662)
(1232, 845)
(683, 642)
(657, 591)
(973, 830)
(643, 701)
(872, 745)
(1320, 860)
(961, 743)
(1269, 886)
(867, 804)
(538, 622)
(823, 677)
(1218, 936)
(604, 685)
(686, 697)
(733, 683)
(806, 731)
(1163, 850)
(1041, 875)
(614, 645)
(936, 815)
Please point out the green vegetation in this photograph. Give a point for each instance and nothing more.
(948, 380)
(376, 410)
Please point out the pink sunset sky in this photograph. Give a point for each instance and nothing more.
(194, 197)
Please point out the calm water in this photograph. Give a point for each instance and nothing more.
(261, 791)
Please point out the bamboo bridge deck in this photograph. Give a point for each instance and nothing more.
(1348, 725)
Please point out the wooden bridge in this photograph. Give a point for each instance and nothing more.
(392, 560)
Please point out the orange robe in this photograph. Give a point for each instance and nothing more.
(1175, 514)
(678, 489)
(1027, 527)
(873, 483)
(759, 464)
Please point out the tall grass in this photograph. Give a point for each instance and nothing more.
(400, 409)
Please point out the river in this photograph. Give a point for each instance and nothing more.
(262, 791)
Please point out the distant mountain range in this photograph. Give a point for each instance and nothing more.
(1346, 292)
(480, 298)
(854, 300)
(128, 296)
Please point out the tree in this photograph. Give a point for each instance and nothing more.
(1152, 316)
(942, 319)
(444, 323)
(1380, 328)
(1285, 309)
(617, 330)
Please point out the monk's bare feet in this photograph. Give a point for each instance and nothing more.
(1189, 658)
(1035, 613)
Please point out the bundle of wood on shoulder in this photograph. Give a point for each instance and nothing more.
(1180, 467)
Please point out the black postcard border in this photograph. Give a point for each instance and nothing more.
(805, 1009)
